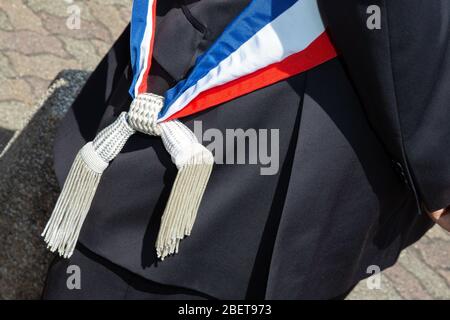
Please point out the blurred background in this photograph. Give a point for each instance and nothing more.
(47, 50)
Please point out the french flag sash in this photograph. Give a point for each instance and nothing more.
(269, 41)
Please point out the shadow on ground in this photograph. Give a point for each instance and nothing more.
(28, 190)
(5, 136)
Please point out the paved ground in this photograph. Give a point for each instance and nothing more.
(35, 44)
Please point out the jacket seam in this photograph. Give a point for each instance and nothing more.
(197, 25)
(397, 114)
(192, 19)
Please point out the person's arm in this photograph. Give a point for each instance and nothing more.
(401, 72)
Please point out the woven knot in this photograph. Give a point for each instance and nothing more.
(143, 113)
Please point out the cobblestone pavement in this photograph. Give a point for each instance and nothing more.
(35, 44)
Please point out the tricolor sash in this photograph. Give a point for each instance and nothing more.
(269, 41)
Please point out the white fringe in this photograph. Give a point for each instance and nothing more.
(195, 164)
(62, 230)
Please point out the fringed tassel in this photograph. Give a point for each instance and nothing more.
(194, 163)
(62, 230)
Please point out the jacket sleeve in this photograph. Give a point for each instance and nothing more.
(401, 71)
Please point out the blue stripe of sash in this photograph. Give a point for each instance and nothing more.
(138, 25)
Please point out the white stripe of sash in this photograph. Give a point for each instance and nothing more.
(145, 47)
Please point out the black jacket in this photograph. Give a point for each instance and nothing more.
(359, 138)
(401, 73)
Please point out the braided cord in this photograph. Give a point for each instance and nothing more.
(111, 140)
(143, 114)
